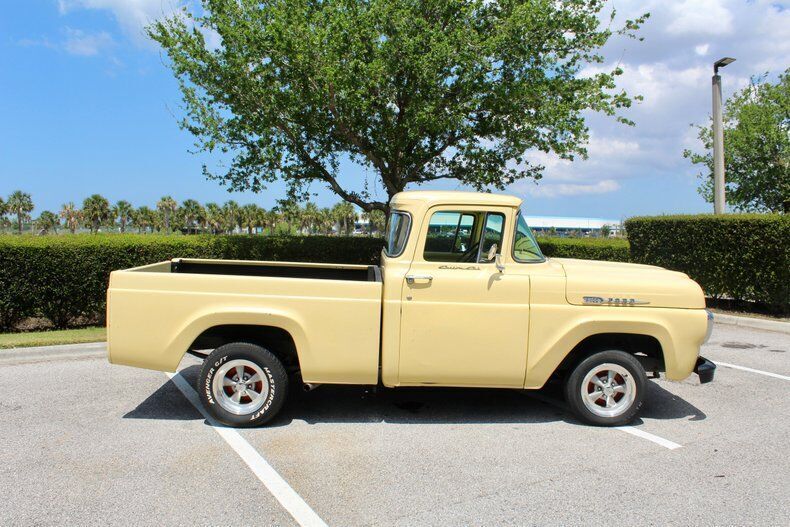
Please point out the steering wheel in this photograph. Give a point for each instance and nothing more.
(470, 253)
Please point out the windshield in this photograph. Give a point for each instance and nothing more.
(525, 247)
(397, 233)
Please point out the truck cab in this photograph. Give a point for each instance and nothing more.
(463, 297)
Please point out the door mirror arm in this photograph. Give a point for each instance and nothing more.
(498, 263)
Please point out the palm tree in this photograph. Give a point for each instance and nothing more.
(145, 219)
(345, 215)
(123, 210)
(71, 216)
(192, 213)
(230, 211)
(47, 221)
(167, 206)
(3, 212)
(376, 220)
(214, 218)
(21, 204)
(310, 216)
(95, 211)
(271, 218)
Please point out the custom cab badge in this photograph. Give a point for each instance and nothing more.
(614, 301)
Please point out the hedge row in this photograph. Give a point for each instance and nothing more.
(610, 249)
(740, 256)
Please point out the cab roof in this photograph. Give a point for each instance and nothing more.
(446, 197)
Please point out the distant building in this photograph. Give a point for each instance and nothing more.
(569, 226)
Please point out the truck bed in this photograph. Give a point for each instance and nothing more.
(332, 312)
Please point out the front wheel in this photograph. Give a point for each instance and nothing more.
(241, 384)
(607, 388)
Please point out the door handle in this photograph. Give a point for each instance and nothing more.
(411, 278)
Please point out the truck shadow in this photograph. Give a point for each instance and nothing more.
(359, 404)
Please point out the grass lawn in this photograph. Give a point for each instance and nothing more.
(49, 338)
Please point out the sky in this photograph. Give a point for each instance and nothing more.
(88, 105)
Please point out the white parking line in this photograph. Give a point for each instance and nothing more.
(638, 432)
(761, 372)
(280, 489)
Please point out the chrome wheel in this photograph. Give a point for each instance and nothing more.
(241, 387)
(608, 390)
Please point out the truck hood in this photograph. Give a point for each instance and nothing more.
(637, 285)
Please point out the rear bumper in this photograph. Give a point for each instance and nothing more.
(705, 369)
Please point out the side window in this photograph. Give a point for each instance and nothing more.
(492, 234)
(454, 236)
(449, 236)
(397, 233)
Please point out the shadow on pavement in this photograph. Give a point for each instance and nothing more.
(366, 404)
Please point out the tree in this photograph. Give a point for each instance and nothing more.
(214, 218)
(3, 212)
(123, 213)
(605, 231)
(756, 148)
(95, 212)
(232, 216)
(145, 219)
(47, 221)
(71, 216)
(252, 217)
(376, 221)
(167, 206)
(21, 204)
(308, 218)
(345, 215)
(193, 214)
(414, 91)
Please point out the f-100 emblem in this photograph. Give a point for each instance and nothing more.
(614, 301)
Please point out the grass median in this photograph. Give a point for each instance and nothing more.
(50, 338)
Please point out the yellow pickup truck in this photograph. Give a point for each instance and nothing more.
(463, 297)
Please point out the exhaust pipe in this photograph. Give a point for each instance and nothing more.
(309, 387)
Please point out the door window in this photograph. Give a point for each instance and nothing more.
(454, 236)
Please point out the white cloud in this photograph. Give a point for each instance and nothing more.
(700, 17)
(131, 15)
(78, 42)
(702, 49)
(553, 190)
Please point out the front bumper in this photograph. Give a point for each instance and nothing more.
(705, 369)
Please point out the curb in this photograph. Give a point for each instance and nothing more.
(87, 350)
(755, 323)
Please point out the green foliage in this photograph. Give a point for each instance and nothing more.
(21, 205)
(65, 277)
(95, 212)
(414, 91)
(609, 249)
(742, 256)
(124, 213)
(47, 222)
(756, 148)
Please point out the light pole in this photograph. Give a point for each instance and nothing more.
(718, 139)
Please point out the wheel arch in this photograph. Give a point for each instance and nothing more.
(281, 333)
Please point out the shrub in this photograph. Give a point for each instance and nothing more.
(65, 277)
(742, 256)
(610, 249)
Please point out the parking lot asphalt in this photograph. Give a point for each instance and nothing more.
(85, 442)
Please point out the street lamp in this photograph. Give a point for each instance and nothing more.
(718, 138)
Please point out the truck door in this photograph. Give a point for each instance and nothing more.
(463, 323)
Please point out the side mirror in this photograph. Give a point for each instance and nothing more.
(491, 253)
(496, 257)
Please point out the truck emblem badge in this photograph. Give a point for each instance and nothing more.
(614, 301)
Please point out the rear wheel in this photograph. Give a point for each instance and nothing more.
(242, 384)
(606, 388)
